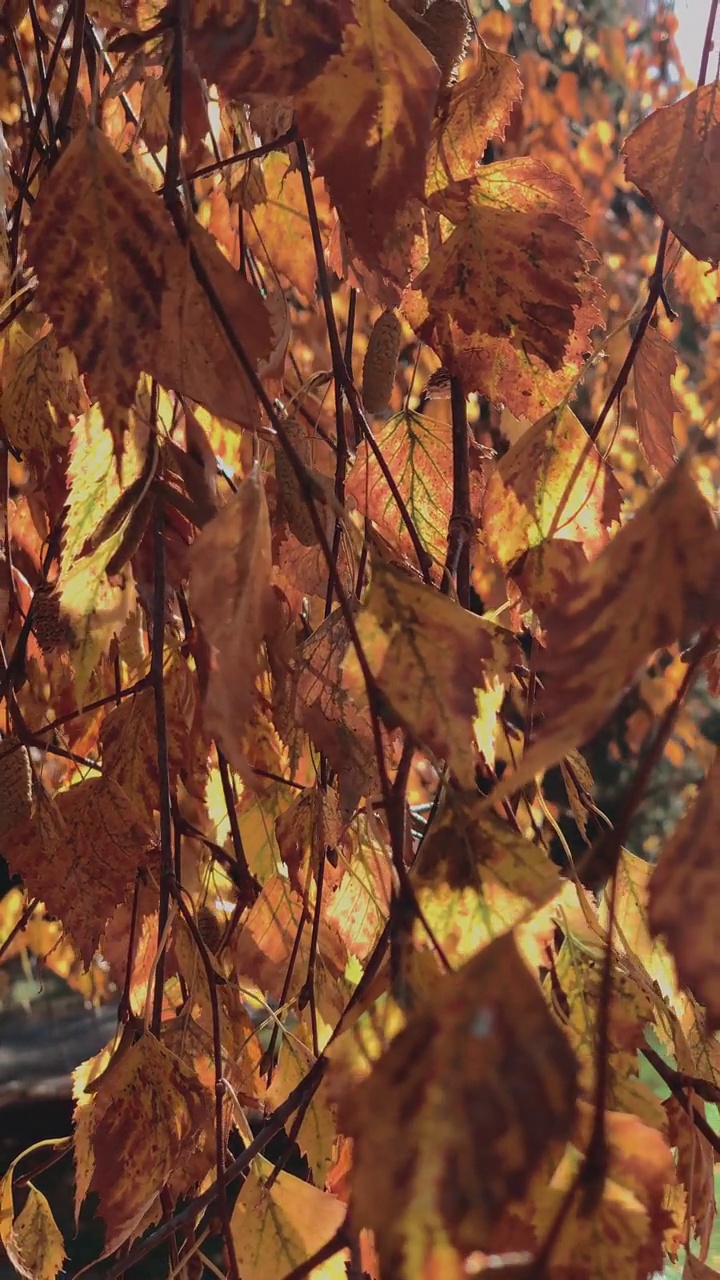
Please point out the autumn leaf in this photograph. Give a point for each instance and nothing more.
(97, 241)
(683, 893)
(418, 642)
(318, 1129)
(280, 228)
(246, 48)
(620, 612)
(509, 213)
(143, 1119)
(40, 397)
(31, 1238)
(670, 157)
(653, 370)
(417, 451)
(457, 1113)
(229, 583)
(367, 119)
(478, 110)
(277, 1226)
(548, 506)
(80, 853)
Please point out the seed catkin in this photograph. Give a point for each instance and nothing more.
(380, 362)
(51, 629)
(445, 33)
(209, 928)
(15, 784)
(294, 506)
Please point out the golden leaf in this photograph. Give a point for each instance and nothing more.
(230, 566)
(31, 1237)
(318, 1129)
(432, 662)
(40, 396)
(547, 507)
(458, 1112)
(276, 1228)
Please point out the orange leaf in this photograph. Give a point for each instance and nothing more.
(684, 893)
(673, 157)
(279, 226)
(143, 1120)
(367, 118)
(510, 267)
(230, 565)
(653, 370)
(622, 609)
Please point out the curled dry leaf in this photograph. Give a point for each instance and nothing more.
(230, 566)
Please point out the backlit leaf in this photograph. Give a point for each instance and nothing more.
(276, 1228)
(367, 118)
(417, 643)
(548, 506)
(654, 366)
(457, 1113)
(620, 612)
(673, 157)
(97, 241)
(31, 1237)
(38, 399)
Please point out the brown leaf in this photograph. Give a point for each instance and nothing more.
(656, 582)
(653, 370)
(458, 1112)
(97, 241)
(673, 157)
(684, 893)
(192, 355)
(79, 854)
(230, 565)
(143, 1120)
(367, 118)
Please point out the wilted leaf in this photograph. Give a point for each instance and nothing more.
(456, 1115)
(684, 894)
(230, 567)
(510, 266)
(620, 612)
(277, 1228)
(548, 506)
(143, 1120)
(418, 454)
(430, 659)
(97, 241)
(673, 157)
(653, 370)
(79, 853)
(367, 118)
(31, 1237)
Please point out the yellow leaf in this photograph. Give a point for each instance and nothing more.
(433, 662)
(318, 1129)
(276, 1228)
(230, 565)
(31, 1237)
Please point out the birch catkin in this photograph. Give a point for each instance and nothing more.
(15, 784)
(381, 362)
